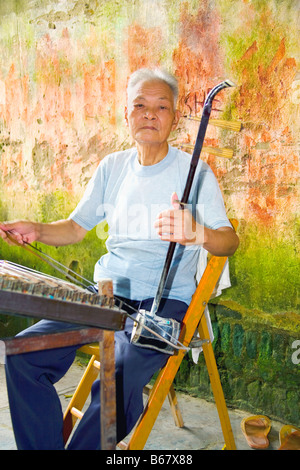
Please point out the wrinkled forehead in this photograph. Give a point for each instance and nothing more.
(149, 90)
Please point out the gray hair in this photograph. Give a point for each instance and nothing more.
(146, 75)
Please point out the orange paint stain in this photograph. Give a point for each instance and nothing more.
(263, 92)
(143, 46)
(197, 59)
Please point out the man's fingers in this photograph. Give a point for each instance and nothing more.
(10, 236)
(174, 201)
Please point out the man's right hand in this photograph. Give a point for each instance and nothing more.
(22, 231)
(62, 232)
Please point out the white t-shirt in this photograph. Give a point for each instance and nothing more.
(129, 196)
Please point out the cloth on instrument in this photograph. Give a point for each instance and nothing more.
(223, 283)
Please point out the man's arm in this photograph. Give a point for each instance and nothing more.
(220, 242)
(62, 232)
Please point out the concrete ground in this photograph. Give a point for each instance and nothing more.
(201, 429)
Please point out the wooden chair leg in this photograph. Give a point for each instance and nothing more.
(176, 413)
(216, 386)
(80, 396)
(157, 396)
(175, 408)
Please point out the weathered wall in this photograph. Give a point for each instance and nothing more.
(64, 66)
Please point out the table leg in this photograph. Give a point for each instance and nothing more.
(108, 391)
(107, 370)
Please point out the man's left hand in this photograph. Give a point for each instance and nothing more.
(178, 225)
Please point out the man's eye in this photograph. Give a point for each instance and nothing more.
(138, 105)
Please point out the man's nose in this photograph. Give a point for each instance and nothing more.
(150, 114)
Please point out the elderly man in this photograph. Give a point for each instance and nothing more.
(136, 191)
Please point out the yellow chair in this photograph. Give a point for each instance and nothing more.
(194, 319)
(79, 398)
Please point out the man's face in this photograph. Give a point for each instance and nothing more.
(150, 114)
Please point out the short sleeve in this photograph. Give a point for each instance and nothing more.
(89, 212)
(210, 209)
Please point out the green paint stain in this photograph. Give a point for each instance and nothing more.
(265, 272)
(261, 24)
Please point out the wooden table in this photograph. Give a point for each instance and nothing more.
(92, 324)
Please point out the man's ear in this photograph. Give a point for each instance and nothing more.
(126, 115)
(177, 115)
